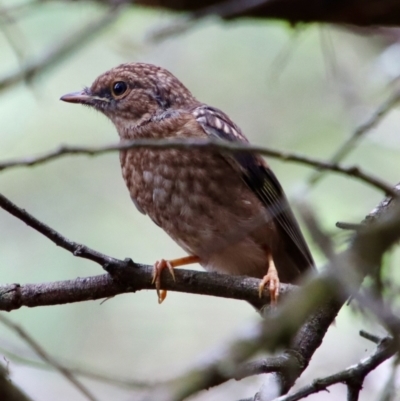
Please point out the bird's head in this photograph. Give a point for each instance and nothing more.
(132, 94)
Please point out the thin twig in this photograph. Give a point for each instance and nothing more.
(75, 248)
(14, 36)
(47, 358)
(350, 144)
(209, 144)
(61, 50)
(76, 370)
(350, 376)
(371, 337)
(348, 226)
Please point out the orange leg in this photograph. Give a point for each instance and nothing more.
(272, 278)
(162, 264)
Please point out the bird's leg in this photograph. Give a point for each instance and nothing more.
(272, 278)
(170, 265)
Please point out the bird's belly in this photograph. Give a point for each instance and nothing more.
(205, 207)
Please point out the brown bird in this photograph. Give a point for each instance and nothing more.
(227, 211)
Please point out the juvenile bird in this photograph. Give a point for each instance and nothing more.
(226, 210)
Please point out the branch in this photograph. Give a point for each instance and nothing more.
(61, 50)
(350, 144)
(277, 329)
(209, 144)
(76, 370)
(353, 376)
(47, 358)
(126, 278)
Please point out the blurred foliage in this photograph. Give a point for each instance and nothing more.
(303, 90)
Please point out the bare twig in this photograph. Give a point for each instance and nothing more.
(361, 131)
(76, 249)
(46, 357)
(61, 50)
(209, 144)
(76, 370)
(353, 376)
(348, 226)
(14, 36)
(371, 337)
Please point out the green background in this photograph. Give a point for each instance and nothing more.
(302, 90)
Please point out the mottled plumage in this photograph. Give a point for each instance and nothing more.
(228, 210)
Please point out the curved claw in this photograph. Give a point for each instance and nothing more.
(170, 264)
(158, 267)
(272, 279)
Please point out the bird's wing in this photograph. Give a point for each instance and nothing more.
(260, 179)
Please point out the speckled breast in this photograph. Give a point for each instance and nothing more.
(195, 196)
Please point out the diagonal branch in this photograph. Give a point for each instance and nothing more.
(47, 358)
(76, 249)
(353, 376)
(62, 49)
(361, 131)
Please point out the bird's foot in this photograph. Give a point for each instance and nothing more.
(272, 279)
(158, 267)
(162, 264)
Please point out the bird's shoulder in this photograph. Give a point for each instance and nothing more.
(217, 124)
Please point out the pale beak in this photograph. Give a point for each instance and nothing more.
(77, 97)
(83, 97)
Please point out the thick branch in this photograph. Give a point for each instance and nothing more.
(131, 279)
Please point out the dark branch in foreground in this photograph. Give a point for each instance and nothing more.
(352, 171)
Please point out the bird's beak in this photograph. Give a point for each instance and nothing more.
(82, 97)
(77, 97)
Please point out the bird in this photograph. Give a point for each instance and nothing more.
(227, 211)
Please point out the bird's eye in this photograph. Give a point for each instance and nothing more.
(119, 88)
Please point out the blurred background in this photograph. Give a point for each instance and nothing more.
(303, 89)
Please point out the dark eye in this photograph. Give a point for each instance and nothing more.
(119, 88)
